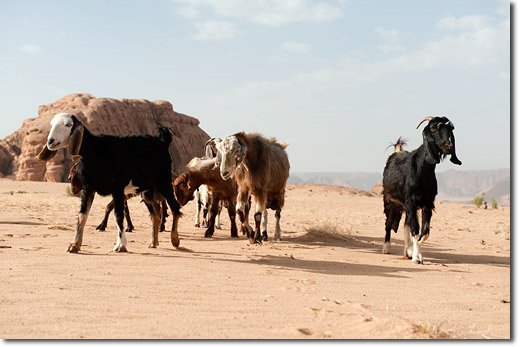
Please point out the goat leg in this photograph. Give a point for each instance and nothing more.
(211, 221)
(265, 225)
(153, 209)
(103, 225)
(426, 223)
(130, 226)
(164, 214)
(87, 196)
(231, 214)
(411, 219)
(119, 212)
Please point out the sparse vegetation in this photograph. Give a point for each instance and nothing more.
(12, 192)
(432, 332)
(494, 203)
(479, 199)
(327, 230)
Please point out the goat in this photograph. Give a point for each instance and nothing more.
(261, 168)
(202, 171)
(409, 184)
(210, 149)
(112, 165)
(202, 204)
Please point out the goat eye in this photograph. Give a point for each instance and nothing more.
(68, 125)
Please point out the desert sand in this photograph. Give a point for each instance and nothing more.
(327, 277)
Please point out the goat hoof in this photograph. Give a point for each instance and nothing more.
(417, 259)
(265, 236)
(101, 227)
(386, 248)
(257, 238)
(120, 249)
(129, 230)
(197, 225)
(208, 234)
(234, 234)
(174, 238)
(73, 248)
(153, 245)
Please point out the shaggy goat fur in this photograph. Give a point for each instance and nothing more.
(261, 167)
(409, 184)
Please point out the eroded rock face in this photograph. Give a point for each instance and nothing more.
(125, 117)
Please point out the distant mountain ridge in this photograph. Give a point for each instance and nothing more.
(453, 185)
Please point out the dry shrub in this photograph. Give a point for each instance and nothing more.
(327, 231)
(431, 331)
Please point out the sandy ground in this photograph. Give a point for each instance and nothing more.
(327, 278)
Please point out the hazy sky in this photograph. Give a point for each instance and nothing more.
(338, 80)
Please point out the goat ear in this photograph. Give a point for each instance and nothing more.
(433, 156)
(46, 154)
(218, 159)
(76, 139)
(243, 148)
(453, 157)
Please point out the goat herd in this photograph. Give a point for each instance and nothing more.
(238, 172)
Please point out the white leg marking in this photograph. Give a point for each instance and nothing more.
(417, 257)
(386, 248)
(218, 217)
(265, 221)
(407, 247)
(121, 243)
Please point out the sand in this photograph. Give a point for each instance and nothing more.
(327, 277)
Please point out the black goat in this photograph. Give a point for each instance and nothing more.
(77, 187)
(112, 165)
(409, 184)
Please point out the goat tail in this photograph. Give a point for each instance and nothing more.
(165, 135)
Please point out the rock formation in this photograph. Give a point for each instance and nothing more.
(125, 117)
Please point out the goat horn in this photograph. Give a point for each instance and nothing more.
(427, 118)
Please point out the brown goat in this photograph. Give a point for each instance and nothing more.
(261, 168)
(202, 171)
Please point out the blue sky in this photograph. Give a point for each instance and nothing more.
(338, 80)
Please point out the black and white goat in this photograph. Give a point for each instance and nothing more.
(409, 184)
(202, 201)
(112, 165)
